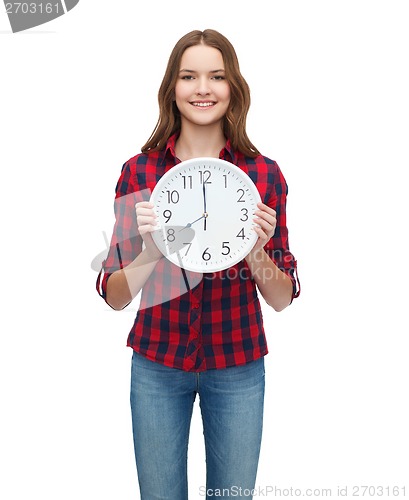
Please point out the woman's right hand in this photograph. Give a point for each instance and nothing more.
(146, 223)
(125, 284)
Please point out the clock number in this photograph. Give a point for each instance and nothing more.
(206, 255)
(225, 180)
(205, 176)
(167, 214)
(170, 235)
(225, 246)
(187, 183)
(240, 234)
(240, 200)
(245, 214)
(187, 248)
(173, 196)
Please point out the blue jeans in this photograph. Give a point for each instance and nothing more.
(231, 403)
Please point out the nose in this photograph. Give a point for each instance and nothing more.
(202, 86)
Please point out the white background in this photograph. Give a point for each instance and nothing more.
(330, 104)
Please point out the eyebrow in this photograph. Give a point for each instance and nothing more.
(193, 71)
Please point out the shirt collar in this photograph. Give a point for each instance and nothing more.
(168, 152)
(227, 152)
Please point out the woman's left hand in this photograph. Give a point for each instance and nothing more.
(266, 224)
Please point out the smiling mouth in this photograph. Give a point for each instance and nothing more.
(206, 104)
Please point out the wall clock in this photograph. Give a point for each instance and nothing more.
(205, 208)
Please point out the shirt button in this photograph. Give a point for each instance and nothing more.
(195, 305)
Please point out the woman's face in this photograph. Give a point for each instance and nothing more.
(202, 93)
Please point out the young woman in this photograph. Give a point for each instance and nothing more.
(198, 333)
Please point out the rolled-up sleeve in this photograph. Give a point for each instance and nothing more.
(126, 242)
(278, 247)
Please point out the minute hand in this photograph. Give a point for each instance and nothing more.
(204, 197)
(204, 206)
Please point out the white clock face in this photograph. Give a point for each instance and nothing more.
(205, 209)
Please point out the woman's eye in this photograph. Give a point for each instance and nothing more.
(191, 77)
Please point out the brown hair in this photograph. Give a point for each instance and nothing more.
(234, 122)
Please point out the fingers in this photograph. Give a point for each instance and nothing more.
(144, 207)
(145, 217)
(266, 222)
(265, 218)
(264, 209)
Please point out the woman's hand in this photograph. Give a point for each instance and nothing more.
(275, 286)
(266, 224)
(146, 223)
(125, 284)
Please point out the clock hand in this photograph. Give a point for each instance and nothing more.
(204, 197)
(189, 224)
(205, 214)
(204, 207)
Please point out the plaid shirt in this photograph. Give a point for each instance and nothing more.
(187, 320)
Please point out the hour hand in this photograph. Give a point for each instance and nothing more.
(189, 224)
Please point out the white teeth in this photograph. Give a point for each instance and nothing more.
(203, 104)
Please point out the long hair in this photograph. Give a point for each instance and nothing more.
(234, 121)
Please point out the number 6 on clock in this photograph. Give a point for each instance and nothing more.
(204, 205)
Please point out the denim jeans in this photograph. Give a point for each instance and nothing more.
(231, 404)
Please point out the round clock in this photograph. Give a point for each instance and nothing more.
(205, 209)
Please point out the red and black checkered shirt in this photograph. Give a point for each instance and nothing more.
(187, 320)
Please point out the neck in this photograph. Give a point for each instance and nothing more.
(195, 141)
